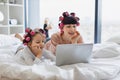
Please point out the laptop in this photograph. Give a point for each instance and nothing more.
(67, 54)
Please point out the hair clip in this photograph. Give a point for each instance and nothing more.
(32, 33)
(72, 14)
(78, 24)
(61, 18)
(42, 31)
(61, 25)
(25, 43)
(27, 39)
(65, 14)
(27, 30)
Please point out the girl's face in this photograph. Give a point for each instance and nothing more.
(37, 43)
(69, 30)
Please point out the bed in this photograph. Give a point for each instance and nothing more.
(104, 64)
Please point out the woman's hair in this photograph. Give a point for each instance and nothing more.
(29, 34)
(67, 18)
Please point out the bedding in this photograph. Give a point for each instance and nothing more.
(106, 50)
(97, 70)
(114, 38)
(104, 65)
(7, 40)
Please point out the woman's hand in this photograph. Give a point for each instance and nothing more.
(75, 37)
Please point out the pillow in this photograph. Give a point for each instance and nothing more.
(11, 50)
(106, 51)
(6, 58)
(7, 51)
(115, 38)
(7, 40)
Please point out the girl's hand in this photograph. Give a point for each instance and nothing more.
(37, 51)
(75, 38)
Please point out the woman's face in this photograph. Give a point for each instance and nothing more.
(37, 43)
(69, 30)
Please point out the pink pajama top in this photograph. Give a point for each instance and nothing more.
(56, 39)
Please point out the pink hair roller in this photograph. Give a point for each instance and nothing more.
(27, 39)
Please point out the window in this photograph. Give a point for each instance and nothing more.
(110, 18)
(85, 9)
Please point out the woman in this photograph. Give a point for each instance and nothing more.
(68, 33)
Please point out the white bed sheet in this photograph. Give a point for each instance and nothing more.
(101, 67)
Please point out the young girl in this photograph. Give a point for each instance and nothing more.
(68, 33)
(33, 52)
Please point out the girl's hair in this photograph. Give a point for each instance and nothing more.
(29, 34)
(67, 18)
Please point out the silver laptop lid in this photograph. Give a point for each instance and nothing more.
(67, 54)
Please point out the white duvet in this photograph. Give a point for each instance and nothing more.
(104, 65)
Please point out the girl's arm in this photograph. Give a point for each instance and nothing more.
(47, 54)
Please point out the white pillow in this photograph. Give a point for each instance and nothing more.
(115, 38)
(6, 58)
(7, 40)
(106, 51)
(7, 51)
